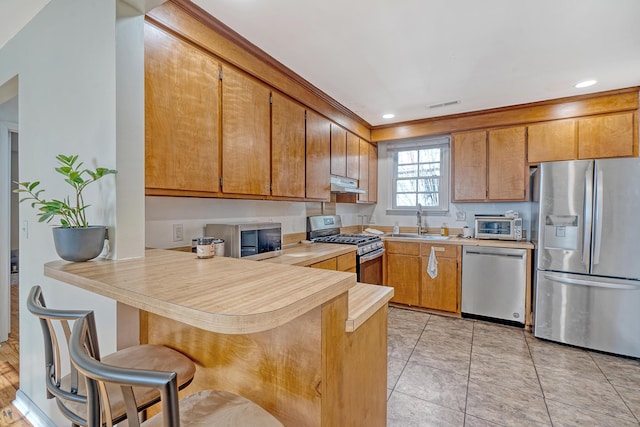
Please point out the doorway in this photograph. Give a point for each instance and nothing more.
(9, 255)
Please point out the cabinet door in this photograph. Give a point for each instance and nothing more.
(606, 136)
(182, 105)
(338, 150)
(469, 166)
(318, 164)
(551, 141)
(246, 156)
(363, 181)
(353, 156)
(373, 174)
(441, 292)
(346, 262)
(508, 169)
(403, 274)
(287, 147)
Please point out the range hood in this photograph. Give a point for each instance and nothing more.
(345, 185)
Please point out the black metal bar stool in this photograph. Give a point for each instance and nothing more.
(206, 408)
(70, 390)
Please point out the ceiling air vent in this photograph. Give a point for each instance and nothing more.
(444, 104)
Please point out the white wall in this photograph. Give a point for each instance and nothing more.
(385, 175)
(66, 61)
(195, 213)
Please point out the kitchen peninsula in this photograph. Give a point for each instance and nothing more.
(276, 334)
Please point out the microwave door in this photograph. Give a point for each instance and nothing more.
(565, 216)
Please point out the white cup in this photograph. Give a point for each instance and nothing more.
(467, 232)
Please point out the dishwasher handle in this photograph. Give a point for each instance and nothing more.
(520, 256)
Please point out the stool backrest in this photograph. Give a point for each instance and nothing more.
(83, 353)
(54, 365)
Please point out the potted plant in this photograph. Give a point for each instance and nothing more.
(75, 239)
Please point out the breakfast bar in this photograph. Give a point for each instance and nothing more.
(308, 345)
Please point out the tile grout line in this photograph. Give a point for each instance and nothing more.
(410, 354)
(535, 368)
(613, 386)
(466, 396)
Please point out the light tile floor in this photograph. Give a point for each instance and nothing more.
(446, 371)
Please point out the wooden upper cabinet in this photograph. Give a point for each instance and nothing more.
(246, 164)
(363, 182)
(373, 174)
(508, 168)
(318, 159)
(338, 150)
(182, 107)
(287, 147)
(613, 135)
(469, 166)
(353, 156)
(552, 141)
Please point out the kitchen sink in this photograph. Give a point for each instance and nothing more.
(418, 236)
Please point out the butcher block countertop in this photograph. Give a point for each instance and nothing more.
(454, 240)
(364, 301)
(224, 295)
(305, 254)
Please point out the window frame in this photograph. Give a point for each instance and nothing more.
(442, 142)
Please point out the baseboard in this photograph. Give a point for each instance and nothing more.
(31, 411)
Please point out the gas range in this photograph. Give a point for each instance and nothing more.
(370, 251)
(326, 229)
(366, 243)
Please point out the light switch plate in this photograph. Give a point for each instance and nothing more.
(178, 232)
(461, 215)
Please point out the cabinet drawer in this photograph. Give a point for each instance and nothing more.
(329, 264)
(347, 262)
(442, 251)
(405, 248)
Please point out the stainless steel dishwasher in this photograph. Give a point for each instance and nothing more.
(494, 283)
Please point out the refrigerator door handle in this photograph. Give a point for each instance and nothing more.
(587, 210)
(573, 281)
(597, 234)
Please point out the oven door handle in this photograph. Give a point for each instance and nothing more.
(372, 255)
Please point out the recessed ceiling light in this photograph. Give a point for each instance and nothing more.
(585, 83)
(388, 116)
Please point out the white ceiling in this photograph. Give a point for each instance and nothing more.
(376, 56)
(14, 14)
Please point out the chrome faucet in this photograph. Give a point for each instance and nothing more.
(419, 218)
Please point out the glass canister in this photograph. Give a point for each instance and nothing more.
(205, 247)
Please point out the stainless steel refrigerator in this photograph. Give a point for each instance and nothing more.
(587, 284)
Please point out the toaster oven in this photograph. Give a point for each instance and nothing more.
(248, 240)
(498, 228)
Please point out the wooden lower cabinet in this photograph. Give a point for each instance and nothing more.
(406, 272)
(308, 372)
(403, 274)
(345, 262)
(442, 292)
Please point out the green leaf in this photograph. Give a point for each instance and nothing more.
(33, 185)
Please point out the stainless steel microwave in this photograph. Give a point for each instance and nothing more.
(248, 240)
(498, 227)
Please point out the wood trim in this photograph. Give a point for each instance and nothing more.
(245, 55)
(561, 108)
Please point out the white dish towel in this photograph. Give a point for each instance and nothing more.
(432, 267)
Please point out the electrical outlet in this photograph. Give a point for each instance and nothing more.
(461, 215)
(178, 233)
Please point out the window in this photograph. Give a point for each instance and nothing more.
(421, 175)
